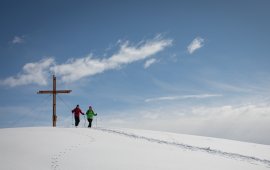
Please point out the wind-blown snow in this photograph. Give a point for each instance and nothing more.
(122, 149)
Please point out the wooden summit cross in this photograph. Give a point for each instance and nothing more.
(53, 92)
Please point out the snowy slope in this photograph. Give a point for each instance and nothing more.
(122, 149)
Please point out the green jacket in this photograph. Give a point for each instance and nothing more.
(90, 114)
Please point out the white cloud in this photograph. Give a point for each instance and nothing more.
(196, 44)
(152, 116)
(228, 87)
(149, 62)
(76, 69)
(32, 73)
(174, 57)
(200, 96)
(246, 122)
(17, 40)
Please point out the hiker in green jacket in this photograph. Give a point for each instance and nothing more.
(90, 114)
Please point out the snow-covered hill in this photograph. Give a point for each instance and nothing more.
(121, 149)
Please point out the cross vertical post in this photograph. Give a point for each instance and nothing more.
(53, 92)
(54, 102)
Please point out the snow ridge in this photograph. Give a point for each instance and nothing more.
(250, 159)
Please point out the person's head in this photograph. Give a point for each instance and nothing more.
(77, 105)
(90, 107)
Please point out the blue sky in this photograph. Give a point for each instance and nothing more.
(196, 67)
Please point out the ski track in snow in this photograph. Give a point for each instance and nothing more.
(250, 159)
(58, 157)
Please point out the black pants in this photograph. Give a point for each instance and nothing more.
(90, 122)
(77, 120)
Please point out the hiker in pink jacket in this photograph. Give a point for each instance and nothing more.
(77, 111)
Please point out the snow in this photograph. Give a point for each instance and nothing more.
(121, 149)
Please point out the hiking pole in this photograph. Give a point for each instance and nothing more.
(84, 120)
(96, 122)
(72, 121)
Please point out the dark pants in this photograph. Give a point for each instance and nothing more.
(90, 122)
(77, 120)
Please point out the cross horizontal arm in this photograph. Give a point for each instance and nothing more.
(53, 92)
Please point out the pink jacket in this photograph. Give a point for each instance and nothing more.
(77, 112)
